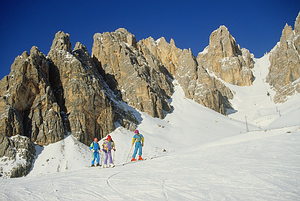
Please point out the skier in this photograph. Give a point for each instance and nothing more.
(108, 145)
(139, 143)
(95, 148)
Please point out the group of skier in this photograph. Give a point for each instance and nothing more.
(108, 145)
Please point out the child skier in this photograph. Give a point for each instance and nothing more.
(108, 145)
(139, 143)
(95, 148)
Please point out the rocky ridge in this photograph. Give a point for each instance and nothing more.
(197, 84)
(70, 91)
(284, 71)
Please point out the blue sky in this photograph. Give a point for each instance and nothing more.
(256, 24)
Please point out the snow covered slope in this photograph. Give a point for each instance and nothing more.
(192, 154)
(254, 103)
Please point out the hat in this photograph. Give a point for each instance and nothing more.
(108, 137)
(136, 131)
(96, 140)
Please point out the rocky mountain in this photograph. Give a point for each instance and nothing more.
(136, 77)
(284, 71)
(45, 98)
(224, 58)
(197, 84)
(28, 106)
(79, 90)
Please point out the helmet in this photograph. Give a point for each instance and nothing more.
(108, 137)
(136, 131)
(96, 140)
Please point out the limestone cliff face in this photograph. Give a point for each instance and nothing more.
(42, 99)
(197, 84)
(19, 153)
(28, 100)
(226, 60)
(135, 75)
(200, 86)
(28, 108)
(166, 53)
(284, 71)
(79, 90)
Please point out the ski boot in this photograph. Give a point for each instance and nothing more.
(140, 158)
(112, 165)
(133, 159)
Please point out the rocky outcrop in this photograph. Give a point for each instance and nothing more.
(284, 71)
(28, 105)
(17, 153)
(197, 84)
(166, 53)
(224, 58)
(133, 73)
(87, 112)
(148, 65)
(42, 99)
(88, 107)
(200, 86)
(284, 92)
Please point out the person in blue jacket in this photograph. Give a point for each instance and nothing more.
(95, 148)
(139, 143)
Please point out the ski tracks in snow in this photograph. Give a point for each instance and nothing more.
(116, 193)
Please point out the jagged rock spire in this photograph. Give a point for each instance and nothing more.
(62, 42)
(297, 25)
(284, 71)
(225, 59)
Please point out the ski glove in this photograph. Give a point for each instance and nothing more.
(92, 150)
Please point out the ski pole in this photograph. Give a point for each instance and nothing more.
(113, 159)
(128, 154)
(101, 158)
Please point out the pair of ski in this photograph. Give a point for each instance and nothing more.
(101, 167)
(126, 163)
(130, 162)
(108, 166)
